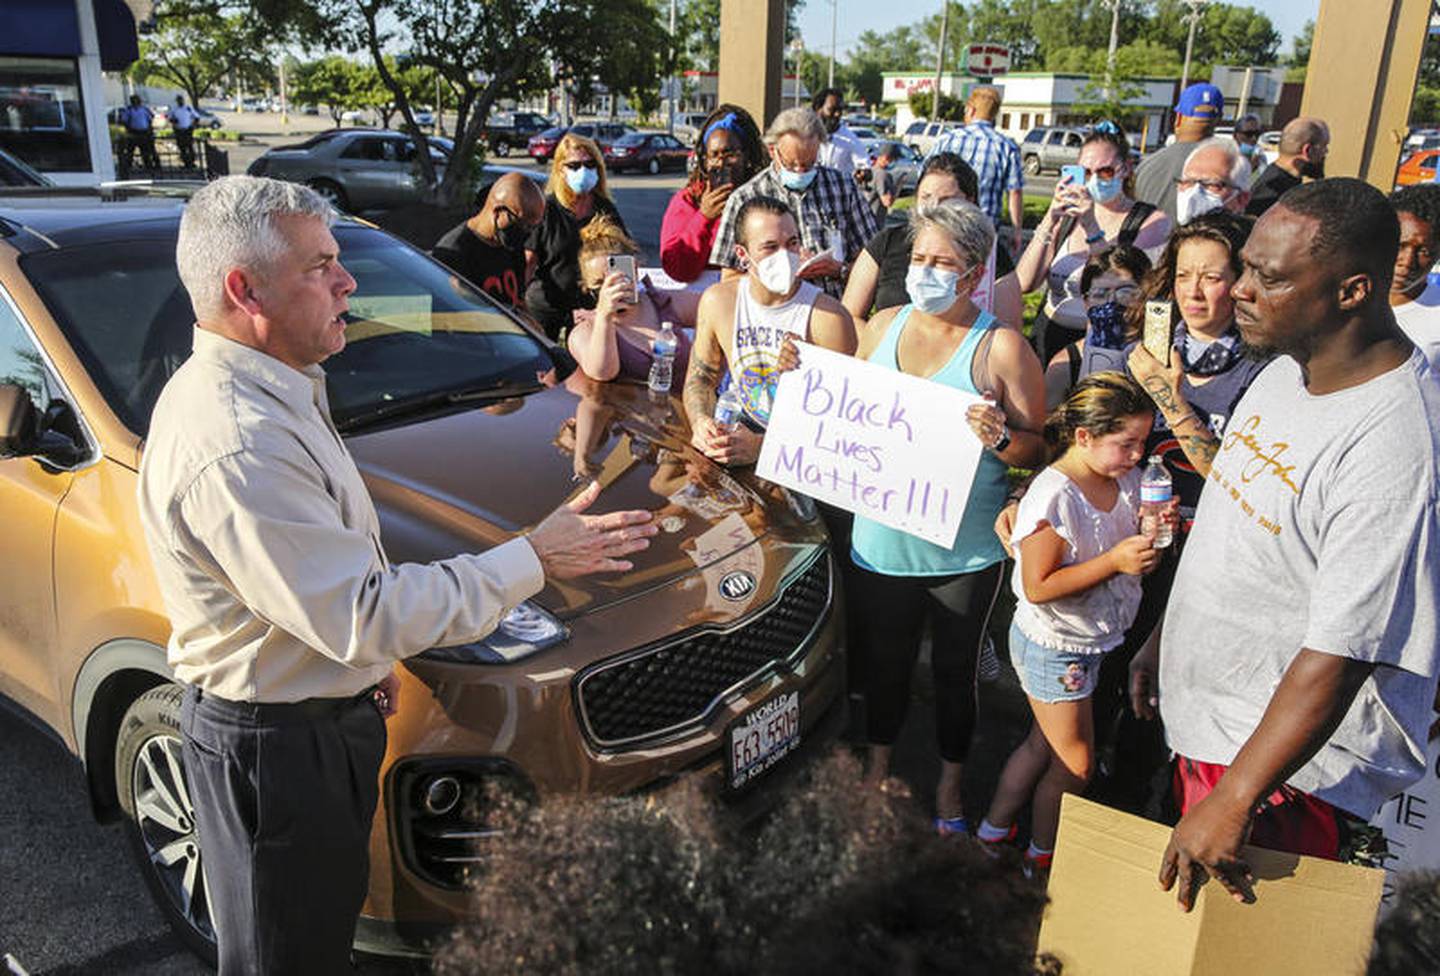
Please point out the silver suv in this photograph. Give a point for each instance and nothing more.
(1051, 148)
(355, 169)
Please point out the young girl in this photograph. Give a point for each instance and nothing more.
(1078, 561)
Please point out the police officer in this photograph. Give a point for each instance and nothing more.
(182, 123)
(139, 124)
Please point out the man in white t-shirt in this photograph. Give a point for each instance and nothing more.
(1414, 299)
(1299, 653)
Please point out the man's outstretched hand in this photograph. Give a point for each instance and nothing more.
(570, 544)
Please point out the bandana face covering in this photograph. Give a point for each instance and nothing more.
(1107, 326)
(1208, 358)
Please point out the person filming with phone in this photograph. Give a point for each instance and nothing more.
(728, 153)
(1093, 209)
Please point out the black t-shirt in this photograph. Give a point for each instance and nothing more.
(495, 270)
(891, 251)
(555, 291)
(1270, 186)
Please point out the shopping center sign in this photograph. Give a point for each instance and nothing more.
(987, 60)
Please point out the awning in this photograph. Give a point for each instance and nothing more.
(51, 28)
(119, 45)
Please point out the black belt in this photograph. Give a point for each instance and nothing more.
(279, 711)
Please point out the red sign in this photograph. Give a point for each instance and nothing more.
(987, 60)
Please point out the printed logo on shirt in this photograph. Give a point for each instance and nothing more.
(1267, 458)
(1250, 460)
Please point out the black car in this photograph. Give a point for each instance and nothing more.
(512, 133)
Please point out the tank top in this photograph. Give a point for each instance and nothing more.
(1064, 304)
(891, 552)
(755, 350)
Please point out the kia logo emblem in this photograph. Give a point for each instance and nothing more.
(737, 586)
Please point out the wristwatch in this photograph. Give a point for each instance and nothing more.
(1001, 442)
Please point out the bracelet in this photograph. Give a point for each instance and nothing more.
(1096, 237)
(1001, 442)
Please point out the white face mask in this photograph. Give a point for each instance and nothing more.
(1191, 203)
(932, 289)
(777, 272)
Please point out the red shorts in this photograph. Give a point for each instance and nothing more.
(1288, 820)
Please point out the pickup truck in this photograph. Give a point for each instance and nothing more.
(511, 132)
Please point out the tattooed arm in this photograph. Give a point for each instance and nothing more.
(707, 366)
(1163, 384)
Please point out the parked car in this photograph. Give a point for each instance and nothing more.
(1050, 148)
(542, 145)
(606, 134)
(355, 169)
(355, 116)
(1418, 168)
(424, 117)
(906, 168)
(601, 686)
(648, 151)
(923, 135)
(512, 131)
(687, 126)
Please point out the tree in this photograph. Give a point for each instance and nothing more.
(951, 108)
(195, 49)
(336, 82)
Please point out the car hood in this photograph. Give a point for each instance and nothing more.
(475, 478)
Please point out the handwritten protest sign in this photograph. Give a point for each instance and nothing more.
(890, 447)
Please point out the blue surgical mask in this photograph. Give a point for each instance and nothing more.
(799, 182)
(932, 289)
(582, 180)
(1103, 191)
(1107, 326)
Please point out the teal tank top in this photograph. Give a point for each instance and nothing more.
(891, 552)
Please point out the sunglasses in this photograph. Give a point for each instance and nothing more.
(576, 164)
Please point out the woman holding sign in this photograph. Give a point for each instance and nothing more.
(941, 336)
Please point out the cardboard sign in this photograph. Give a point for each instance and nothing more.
(891, 447)
(1108, 915)
(1411, 821)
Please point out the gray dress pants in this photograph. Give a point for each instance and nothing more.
(284, 798)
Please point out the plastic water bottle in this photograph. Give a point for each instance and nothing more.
(1156, 490)
(729, 408)
(662, 370)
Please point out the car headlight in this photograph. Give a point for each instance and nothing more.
(527, 629)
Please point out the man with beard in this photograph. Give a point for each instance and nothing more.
(1299, 652)
(488, 250)
(843, 150)
(1414, 299)
(1304, 144)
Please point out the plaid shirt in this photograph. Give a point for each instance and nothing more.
(833, 200)
(994, 157)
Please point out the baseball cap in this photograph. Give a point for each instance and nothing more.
(1201, 100)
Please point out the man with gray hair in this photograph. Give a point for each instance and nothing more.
(1215, 177)
(1304, 144)
(287, 616)
(831, 214)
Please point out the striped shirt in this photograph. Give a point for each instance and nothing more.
(833, 200)
(994, 157)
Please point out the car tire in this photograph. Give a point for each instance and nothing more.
(332, 193)
(1032, 165)
(502, 148)
(654, 167)
(159, 817)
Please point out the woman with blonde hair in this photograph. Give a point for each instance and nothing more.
(614, 340)
(576, 192)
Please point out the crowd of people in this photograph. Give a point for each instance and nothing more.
(1264, 645)
(794, 223)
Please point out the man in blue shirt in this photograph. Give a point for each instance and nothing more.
(182, 123)
(139, 124)
(994, 158)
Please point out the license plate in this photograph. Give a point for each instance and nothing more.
(762, 738)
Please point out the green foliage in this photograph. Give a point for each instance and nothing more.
(337, 82)
(1426, 106)
(951, 109)
(195, 48)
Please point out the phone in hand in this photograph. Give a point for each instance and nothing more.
(624, 264)
(1159, 333)
(1072, 174)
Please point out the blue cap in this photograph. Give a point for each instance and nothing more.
(1201, 101)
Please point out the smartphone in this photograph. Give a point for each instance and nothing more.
(623, 264)
(1073, 174)
(1159, 330)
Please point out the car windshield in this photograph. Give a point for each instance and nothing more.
(418, 337)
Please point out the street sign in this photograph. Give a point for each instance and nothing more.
(987, 60)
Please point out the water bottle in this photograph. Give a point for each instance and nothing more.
(729, 408)
(662, 370)
(1155, 492)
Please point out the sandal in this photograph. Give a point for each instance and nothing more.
(947, 826)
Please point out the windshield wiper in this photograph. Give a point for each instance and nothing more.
(430, 401)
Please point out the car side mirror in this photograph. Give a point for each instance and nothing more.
(19, 421)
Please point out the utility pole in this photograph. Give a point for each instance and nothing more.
(799, 47)
(671, 128)
(1194, 18)
(940, 61)
(834, 16)
(284, 96)
(1114, 43)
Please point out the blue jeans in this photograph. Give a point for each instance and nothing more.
(1049, 675)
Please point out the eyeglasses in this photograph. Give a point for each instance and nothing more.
(1124, 294)
(1102, 172)
(723, 157)
(1217, 187)
(577, 164)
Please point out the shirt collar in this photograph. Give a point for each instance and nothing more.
(295, 387)
(984, 122)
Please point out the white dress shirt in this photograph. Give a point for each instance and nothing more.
(267, 548)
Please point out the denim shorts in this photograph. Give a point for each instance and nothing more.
(1049, 675)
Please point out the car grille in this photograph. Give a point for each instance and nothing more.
(656, 692)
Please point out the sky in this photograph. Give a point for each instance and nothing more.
(857, 16)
